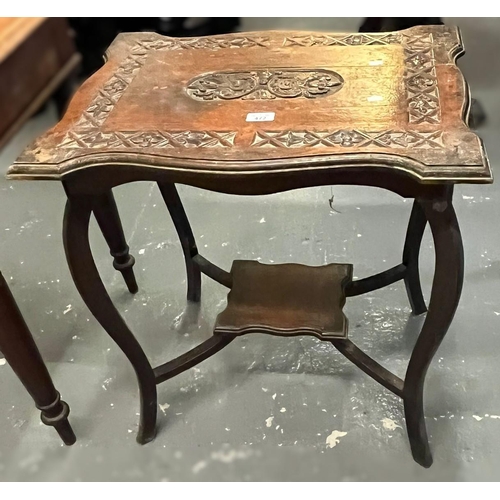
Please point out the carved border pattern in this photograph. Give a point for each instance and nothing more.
(330, 40)
(420, 72)
(87, 133)
(420, 80)
(348, 138)
(156, 139)
(211, 43)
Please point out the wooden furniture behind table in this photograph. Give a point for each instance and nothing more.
(38, 60)
(260, 113)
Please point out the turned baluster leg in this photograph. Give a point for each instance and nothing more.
(445, 295)
(414, 234)
(181, 223)
(106, 214)
(21, 352)
(94, 294)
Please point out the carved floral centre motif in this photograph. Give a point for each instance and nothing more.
(264, 84)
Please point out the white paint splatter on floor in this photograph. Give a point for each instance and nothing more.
(477, 417)
(262, 220)
(334, 438)
(106, 383)
(274, 396)
(226, 457)
(2, 361)
(199, 466)
(269, 421)
(68, 309)
(389, 424)
(164, 407)
(283, 410)
(141, 251)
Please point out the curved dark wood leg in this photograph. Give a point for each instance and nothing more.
(445, 295)
(414, 234)
(93, 292)
(181, 223)
(106, 214)
(23, 356)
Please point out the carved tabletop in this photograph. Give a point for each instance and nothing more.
(393, 99)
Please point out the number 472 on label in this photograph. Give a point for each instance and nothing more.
(260, 117)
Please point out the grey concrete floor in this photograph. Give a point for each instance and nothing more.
(263, 408)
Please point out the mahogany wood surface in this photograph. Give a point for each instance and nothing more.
(384, 100)
(286, 300)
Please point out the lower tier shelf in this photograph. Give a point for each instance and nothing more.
(286, 300)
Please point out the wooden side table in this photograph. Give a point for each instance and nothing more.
(259, 113)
